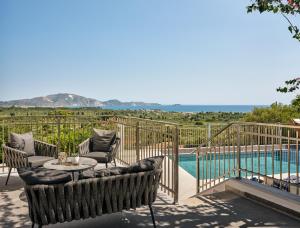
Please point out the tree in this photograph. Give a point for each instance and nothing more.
(285, 8)
(290, 86)
(296, 103)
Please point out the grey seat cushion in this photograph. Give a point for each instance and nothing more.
(102, 140)
(101, 157)
(23, 142)
(32, 176)
(36, 161)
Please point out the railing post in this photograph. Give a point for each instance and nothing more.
(209, 133)
(137, 139)
(58, 133)
(280, 134)
(239, 150)
(3, 142)
(176, 164)
(197, 172)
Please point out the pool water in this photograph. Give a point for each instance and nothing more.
(261, 162)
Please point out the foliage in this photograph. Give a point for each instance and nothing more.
(283, 7)
(277, 113)
(290, 86)
(72, 134)
(296, 103)
(177, 117)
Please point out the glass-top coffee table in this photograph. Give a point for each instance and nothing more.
(84, 164)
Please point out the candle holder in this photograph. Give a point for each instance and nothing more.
(74, 159)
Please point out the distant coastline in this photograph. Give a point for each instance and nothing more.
(69, 100)
(187, 108)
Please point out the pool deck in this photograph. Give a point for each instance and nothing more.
(187, 184)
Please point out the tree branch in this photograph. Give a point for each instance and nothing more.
(289, 21)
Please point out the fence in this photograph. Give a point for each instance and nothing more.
(143, 139)
(194, 136)
(139, 138)
(266, 153)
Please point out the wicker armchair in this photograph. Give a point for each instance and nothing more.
(14, 158)
(101, 157)
(88, 198)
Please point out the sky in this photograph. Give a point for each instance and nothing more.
(170, 51)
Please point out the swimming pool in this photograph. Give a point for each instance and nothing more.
(261, 162)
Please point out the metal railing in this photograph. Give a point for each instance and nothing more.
(140, 138)
(194, 136)
(267, 153)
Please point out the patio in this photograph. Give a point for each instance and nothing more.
(224, 209)
(141, 139)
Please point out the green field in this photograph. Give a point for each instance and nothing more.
(196, 119)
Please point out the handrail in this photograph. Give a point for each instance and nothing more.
(212, 137)
(189, 126)
(245, 124)
(270, 124)
(148, 120)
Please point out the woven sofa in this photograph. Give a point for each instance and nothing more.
(92, 197)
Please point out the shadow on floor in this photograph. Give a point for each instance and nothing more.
(13, 203)
(219, 210)
(13, 184)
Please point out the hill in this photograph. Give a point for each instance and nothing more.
(66, 100)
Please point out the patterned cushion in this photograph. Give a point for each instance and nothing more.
(113, 171)
(293, 179)
(32, 176)
(102, 140)
(140, 166)
(86, 174)
(146, 164)
(23, 142)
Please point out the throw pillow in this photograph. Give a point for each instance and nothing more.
(146, 164)
(23, 142)
(102, 140)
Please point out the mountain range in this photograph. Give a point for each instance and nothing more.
(68, 100)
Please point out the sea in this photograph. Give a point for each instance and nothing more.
(189, 108)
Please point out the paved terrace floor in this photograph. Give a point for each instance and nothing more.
(219, 210)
